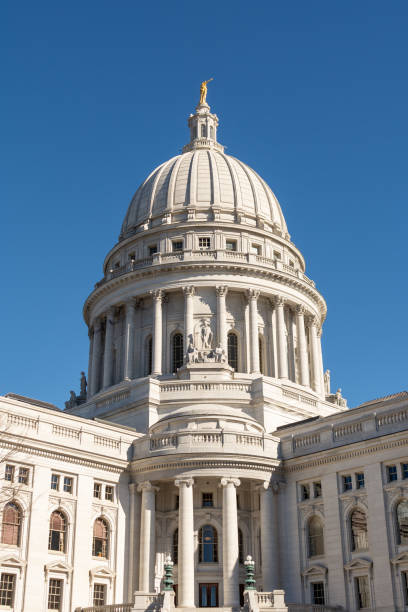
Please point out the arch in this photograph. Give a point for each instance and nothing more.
(358, 529)
(148, 355)
(232, 345)
(57, 536)
(100, 539)
(174, 547)
(261, 348)
(241, 555)
(402, 521)
(207, 544)
(11, 524)
(315, 537)
(177, 351)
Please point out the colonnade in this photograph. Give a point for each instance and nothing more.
(309, 359)
(186, 540)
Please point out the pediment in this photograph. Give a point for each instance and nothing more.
(12, 561)
(58, 566)
(315, 570)
(401, 558)
(357, 564)
(102, 572)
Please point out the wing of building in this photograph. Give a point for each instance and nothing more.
(208, 431)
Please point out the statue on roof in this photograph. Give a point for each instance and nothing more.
(203, 91)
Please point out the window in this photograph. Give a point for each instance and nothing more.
(277, 255)
(109, 493)
(99, 595)
(347, 483)
(404, 577)
(177, 352)
(203, 131)
(362, 592)
(291, 263)
(240, 546)
(9, 473)
(7, 589)
(315, 537)
(317, 489)
(261, 354)
(358, 526)
(207, 545)
(402, 522)
(360, 484)
(211, 131)
(392, 473)
(58, 531)
(23, 474)
(149, 355)
(204, 243)
(55, 482)
(68, 484)
(178, 245)
(175, 547)
(230, 245)
(97, 492)
(152, 249)
(255, 249)
(132, 256)
(11, 528)
(304, 492)
(232, 342)
(55, 594)
(404, 470)
(317, 593)
(207, 500)
(117, 265)
(100, 538)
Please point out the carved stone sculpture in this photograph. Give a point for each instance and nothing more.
(327, 382)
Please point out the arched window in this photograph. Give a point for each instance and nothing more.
(402, 520)
(149, 355)
(175, 547)
(177, 352)
(11, 529)
(233, 350)
(203, 131)
(58, 532)
(315, 537)
(100, 540)
(261, 354)
(240, 546)
(358, 527)
(207, 545)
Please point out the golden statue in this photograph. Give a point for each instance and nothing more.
(203, 91)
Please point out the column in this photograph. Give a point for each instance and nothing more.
(128, 347)
(321, 370)
(185, 543)
(147, 537)
(302, 346)
(96, 356)
(157, 296)
(188, 316)
(253, 295)
(269, 537)
(108, 353)
(90, 336)
(314, 350)
(222, 317)
(230, 542)
(281, 338)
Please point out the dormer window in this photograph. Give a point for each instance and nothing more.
(230, 245)
(177, 245)
(152, 249)
(256, 249)
(204, 243)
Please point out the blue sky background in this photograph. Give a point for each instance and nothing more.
(94, 95)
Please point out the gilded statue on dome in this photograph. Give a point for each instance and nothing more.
(203, 91)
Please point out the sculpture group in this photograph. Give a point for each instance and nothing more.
(200, 349)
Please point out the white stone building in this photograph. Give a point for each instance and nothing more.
(208, 431)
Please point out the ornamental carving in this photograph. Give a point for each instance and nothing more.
(221, 290)
(253, 294)
(189, 291)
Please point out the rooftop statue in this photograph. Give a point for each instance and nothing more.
(203, 91)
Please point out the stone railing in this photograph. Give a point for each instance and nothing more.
(263, 600)
(306, 441)
(217, 387)
(108, 608)
(312, 608)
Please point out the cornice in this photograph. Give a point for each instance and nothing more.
(139, 466)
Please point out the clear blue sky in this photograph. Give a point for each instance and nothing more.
(94, 95)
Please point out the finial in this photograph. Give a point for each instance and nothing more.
(203, 91)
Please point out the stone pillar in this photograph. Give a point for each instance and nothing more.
(157, 296)
(302, 346)
(96, 356)
(230, 547)
(253, 295)
(281, 338)
(269, 538)
(188, 316)
(147, 537)
(90, 336)
(185, 543)
(134, 538)
(314, 350)
(321, 369)
(128, 345)
(222, 317)
(108, 351)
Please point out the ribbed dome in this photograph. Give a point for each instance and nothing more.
(203, 179)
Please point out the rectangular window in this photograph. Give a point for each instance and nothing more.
(291, 263)
(97, 490)
(317, 488)
(177, 504)
(404, 577)
(55, 482)
(360, 483)
(178, 245)
(392, 473)
(318, 593)
(277, 255)
(204, 243)
(55, 594)
(255, 249)
(152, 249)
(132, 257)
(347, 483)
(404, 470)
(7, 589)
(230, 245)
(362, 592)
(208, 500)
(9, 473)
(109, 493)
(23, 475)
(99, 595)
(68, 481)
(304, 491)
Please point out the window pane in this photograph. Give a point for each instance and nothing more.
(67, 484)
(358, 522)
(175, 547)
(233, 350)
(317, 487)
(100, 539)
(109, 492)
(208, 545)
(56, 538)
(362, 591)
(178, 245)
(230, 245)
(360, 481)
(55, 594)
(97, 490)
(392, 473)
(54, 482)
(208, 500)
(9, 473)
(7, 589)
(402, 518)
(23, 475)
(177, 352)
(11, 525)
(204, 243)
(318, 593)
(99, 595)
(316, 545)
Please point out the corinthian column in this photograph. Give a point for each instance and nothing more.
(230, 548)
(147, 537)
(314, 349)
(281, 337)
(188, 316)
(302, 346)
(96, 356)
(185, 543)
(321, 370)
(253, 295)
(157, 296)
(222, 317)
(108, 352)
(269, 538)
(129, 339)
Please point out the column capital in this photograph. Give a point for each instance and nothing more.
(97, 325)
(221, 290)
(224, 482)
(157, 295)
(110, 313)
(132, 487)
(146, 486)
(313, 320)
(300, 309)
(320, 332)
(279, 300)
(274, 486)
(189, 290)
(188, 482)
(253, 294)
